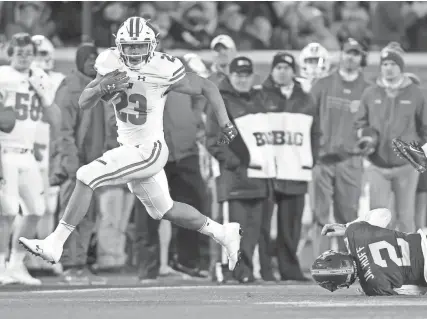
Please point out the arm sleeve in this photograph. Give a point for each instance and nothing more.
(222, 153)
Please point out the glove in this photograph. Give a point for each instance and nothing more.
(333, 230)
(112, 82)
(228, 133)
(43, 86)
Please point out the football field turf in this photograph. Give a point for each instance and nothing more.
(203, 301)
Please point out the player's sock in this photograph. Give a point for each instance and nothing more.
(62, 232)
(213, 229)
(16, 257)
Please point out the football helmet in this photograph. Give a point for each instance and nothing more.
(136, 40)
(45, 53)
(334, 270)
(314, 61)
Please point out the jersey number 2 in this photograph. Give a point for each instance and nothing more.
(375, 249)
(141, 108)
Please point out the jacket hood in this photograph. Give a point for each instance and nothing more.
(405, 83)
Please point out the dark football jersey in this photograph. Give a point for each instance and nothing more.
(385, 258)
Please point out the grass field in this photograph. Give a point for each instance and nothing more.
(201, 299)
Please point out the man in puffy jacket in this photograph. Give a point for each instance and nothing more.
(296, 154)
(395, 107)
(245, 197)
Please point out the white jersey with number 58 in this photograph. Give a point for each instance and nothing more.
(139, 112)
(16, 92)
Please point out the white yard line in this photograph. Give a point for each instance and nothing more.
(342, 304)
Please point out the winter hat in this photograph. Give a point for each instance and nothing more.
(393, 52)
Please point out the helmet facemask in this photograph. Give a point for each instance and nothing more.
(314, 67)
(135, 53)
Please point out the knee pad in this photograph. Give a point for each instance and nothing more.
(83, 175)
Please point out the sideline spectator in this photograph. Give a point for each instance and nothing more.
(245, 197)
(395, 107)
(299, 124)
(337, 177)
(224, 50)
(81, 144)
(309, 26)
(33, 17)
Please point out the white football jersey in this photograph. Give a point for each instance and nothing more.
(42, 141)
(16, 92)
(139, 112)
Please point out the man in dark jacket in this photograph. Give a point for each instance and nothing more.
(83, 138)
(297, 139)
(245, 197)
(337, 177)
(395, 107)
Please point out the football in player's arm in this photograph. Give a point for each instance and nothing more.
(110, 85)
(385, 261)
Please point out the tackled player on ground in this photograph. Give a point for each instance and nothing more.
(386, 262)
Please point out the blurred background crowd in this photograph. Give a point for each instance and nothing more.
(284, 25)
(281, 213)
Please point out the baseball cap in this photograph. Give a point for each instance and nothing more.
(284, 57)
(353, 45)
(241, 64)
(225, 40)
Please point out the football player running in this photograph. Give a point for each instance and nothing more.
(28, 91)
(136, 79)
(386, 262)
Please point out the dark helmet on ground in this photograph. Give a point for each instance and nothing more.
(334, 270)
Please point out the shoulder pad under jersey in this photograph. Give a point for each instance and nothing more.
(108, 61)
(164, 69)
(6, 70)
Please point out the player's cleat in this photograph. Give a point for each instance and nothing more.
(5, 279)
(233, 235)
(412, 152)
(21, 275)
(45, 248)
